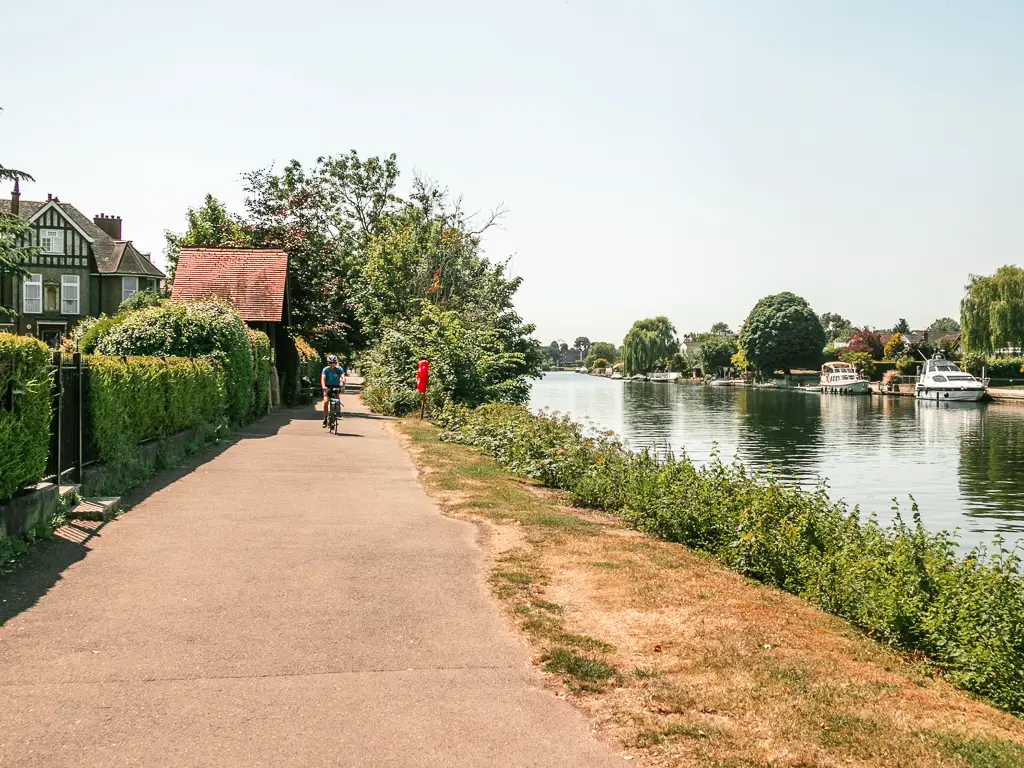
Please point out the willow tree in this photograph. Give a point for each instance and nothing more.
(649, 343)
(992, 312)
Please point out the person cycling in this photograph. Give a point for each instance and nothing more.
(332, 379)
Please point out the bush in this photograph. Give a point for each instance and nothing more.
(25, 385)
(140, 398)
(862, 361)
(866, 341)
(210, 328)
(895, 347)
(600, 364)
(260, 343)
(1004, 367)
(140, 300)
(899, 583)
(906, 365)
(87, 334)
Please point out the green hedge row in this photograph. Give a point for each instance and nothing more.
(25, 387)
(135, 399)
(897, 582)
(260, 343)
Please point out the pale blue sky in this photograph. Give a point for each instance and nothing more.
(677, 158)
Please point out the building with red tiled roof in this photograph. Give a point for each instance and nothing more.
(254, 280)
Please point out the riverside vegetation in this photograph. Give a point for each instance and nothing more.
(898, 583)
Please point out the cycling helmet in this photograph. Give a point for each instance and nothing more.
(331, 359)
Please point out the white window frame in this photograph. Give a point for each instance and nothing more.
(32, 281)
(126, 292)
(70, 284)
(52, 240)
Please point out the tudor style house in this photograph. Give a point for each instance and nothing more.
(83, 268)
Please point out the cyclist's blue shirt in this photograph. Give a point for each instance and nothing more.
(332, 376)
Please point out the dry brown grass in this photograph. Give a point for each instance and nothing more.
(680, 662)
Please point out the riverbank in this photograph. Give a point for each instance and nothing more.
(678, 661)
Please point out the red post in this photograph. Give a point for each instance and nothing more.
(422, 376)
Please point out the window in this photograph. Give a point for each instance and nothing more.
(129, 287)
(939, 378)
(69, 287)
(32, 295)
(51, 240)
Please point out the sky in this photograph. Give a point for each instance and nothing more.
(656, 157)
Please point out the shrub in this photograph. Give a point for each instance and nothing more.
(210, 328)
(906, 365)
(87, 334)
(860, 360)
(135, 399)
(895, 347)
(260, 344)
(140, 300)
(899, 583)
(866, 341)
(600, 364)
(25, 383)
(1005, 367)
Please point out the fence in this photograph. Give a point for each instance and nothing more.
(71, 444)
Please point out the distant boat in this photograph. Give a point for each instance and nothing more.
(616, 376)
(638, 377)
(665, 376)
(581, 369)
(843, 379)
(722, 382)
(942, 380)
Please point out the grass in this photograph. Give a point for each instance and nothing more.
(677, 659)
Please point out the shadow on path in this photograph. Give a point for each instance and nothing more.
(34, 574)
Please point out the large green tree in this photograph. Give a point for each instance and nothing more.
(602, 349)
(716, 353)
(992, 312)
(721, 329)
(902, 327)
(781, 333)
(943, 325)
(582, 343)
(649, 344)
(209, 226)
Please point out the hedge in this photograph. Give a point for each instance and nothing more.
(25, 388)
(135, 399)
(260, 344)
(899, 583)
(309, 362)
(211, 328)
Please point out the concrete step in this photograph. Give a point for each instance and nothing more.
(101, 509)
(68, 491)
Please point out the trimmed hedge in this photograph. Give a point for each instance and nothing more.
(261, 371)
(898, 582)
(210, 328)
(135, 399)
(25, 409)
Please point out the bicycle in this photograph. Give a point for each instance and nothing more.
(333, 409)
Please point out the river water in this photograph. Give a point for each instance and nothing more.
(963, 463)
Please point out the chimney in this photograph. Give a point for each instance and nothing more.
(16, 198)
(109, 224)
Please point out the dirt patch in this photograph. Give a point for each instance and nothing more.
(681, 662)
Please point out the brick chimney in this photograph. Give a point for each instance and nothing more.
(109, 224)
(16, 198)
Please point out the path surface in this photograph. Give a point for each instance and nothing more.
(296, 601)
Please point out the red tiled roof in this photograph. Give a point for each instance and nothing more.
(253, 280)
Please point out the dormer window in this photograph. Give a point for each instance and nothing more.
(51, 240)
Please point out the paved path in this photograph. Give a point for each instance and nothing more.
(296, 601)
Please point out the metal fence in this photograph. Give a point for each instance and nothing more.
(71, 445)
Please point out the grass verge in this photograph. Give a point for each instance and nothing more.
(681, 662)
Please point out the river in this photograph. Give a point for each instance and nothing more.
(963, 463)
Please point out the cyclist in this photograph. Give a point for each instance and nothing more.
(332, 379)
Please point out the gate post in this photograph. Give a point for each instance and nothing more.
(80, 386)
(60, 410)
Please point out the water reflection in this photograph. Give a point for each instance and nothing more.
(963, 463)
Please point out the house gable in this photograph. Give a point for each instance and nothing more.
(64, 243)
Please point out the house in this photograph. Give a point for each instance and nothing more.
(84, 268)
(254, 280)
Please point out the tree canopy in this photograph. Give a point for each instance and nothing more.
(716, 352)
(943, 325)
(867, 341)
(781, 333)
(836, 327)
(603, 349)
(13, 229)
(649, 344)
(993, 311)
(209, 226)
(902, 327)
(582, 343)
(721, 329)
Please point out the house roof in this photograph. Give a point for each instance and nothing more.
(108, 252)
(253, 280)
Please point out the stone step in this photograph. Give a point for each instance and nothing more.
(68, 491)
(101, 509)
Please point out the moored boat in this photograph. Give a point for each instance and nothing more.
(943, 381)
(616, 376)
(842, 379)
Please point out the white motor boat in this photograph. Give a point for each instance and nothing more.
(581, 369)
(616, 376)
(663, 376)
(943, 381)
(842, 379)
(638, 377)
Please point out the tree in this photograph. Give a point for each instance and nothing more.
(943, 325)
(554, 354)
(602, 349)
(721, 329)
(209, 226)
(582, 343)
(902, 327)
(896, 347)
(782, 332)
(649, 344)
(836, 327)
(993, 311)
(716, 353)
(740, 362)
(600, 364)
(867, 341)
(13, 238)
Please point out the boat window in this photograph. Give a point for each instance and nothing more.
(939, 378)
(961, 377)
